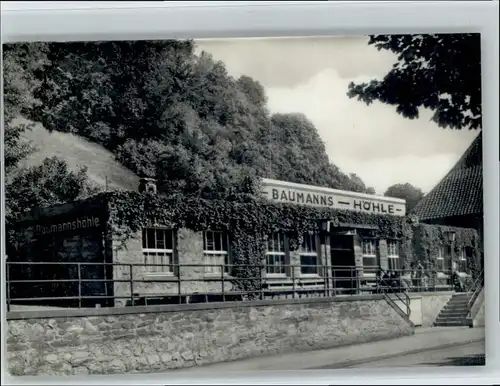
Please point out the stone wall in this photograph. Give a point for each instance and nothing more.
(477, 311)
(478, 320)
(145, 339)
(425, 306)
(189, 250)
(432, 304)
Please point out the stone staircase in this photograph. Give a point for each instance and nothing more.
(455, 311)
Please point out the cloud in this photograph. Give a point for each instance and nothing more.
(311, 75)
(373, 141)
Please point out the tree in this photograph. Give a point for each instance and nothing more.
(166, 112)
(46, 184)
(441, 72)
(21, 63)
(407, 192)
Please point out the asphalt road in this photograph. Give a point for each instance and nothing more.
(472, 354)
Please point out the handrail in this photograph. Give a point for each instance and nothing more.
(137, 283)
(476, 286)
(406, 301)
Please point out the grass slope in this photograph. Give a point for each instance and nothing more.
(77, 151)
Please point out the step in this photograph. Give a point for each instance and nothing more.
(455, 306)
(455, 309)
(455, 319)
(458, 317)
(458, 301)
(451, 314)
(452, 324)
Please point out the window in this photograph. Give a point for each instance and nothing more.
(215, 251)
(309, 255)
(158, 249)
(393, 255)
(275, 255)
(369, 253)
(440, 263)
(462, 261)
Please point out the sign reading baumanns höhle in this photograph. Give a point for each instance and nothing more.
(287, 192)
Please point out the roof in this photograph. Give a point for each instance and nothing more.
(460, 192)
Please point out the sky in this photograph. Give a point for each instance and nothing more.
(311, 75)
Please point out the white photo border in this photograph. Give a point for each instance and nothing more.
(86, 21)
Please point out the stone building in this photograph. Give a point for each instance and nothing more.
(162, 262)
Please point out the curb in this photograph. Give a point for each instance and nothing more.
(355, 362)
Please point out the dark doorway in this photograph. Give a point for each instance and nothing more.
(343, 263)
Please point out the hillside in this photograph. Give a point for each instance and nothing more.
(78, 151)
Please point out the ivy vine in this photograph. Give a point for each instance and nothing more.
(249, 221)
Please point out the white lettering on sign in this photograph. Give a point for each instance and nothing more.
(79, 223)
(285, 192)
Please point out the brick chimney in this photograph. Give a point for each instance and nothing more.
(147, 185)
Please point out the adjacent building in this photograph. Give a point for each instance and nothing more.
(457, 200)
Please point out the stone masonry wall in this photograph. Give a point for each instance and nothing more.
(432, 304)
(479, 318)
(477, 311)
(187, 335)
(189, 250)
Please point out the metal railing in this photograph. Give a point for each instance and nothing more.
(402, 296)
(82, 284)
(475, 288)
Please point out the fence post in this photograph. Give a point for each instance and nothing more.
(78, 265)
(131, 270)
(352, 281)
(222, 282)
(293, 281)
(261, 294)
(334, 282)
(7, 279)
(179, 287)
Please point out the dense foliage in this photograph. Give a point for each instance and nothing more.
(441, 72)
(166, 112)
(46, 184)
(20, 65)
(431, 238)
(407, 192)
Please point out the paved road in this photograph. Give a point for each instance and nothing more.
(472, 354)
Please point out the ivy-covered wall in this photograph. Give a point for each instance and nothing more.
(249, 221)
(427, 239)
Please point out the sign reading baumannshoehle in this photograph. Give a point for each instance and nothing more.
(75, 224)
(288, 192)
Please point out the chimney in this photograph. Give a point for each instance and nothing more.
(147, 185)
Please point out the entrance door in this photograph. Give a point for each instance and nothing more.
(342, 261)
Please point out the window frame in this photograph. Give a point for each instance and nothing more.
(440, 258)
(172, 266)
(462, 259)
(285, 255)
(393, 259)
(372, 256)
(306, 253)
(225, 254)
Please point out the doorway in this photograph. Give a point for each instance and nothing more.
(343, 264)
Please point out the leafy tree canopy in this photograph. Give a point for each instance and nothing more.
(408, 192)
(49, 183)
(441, 72)
(21, 63)
(166, 112)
